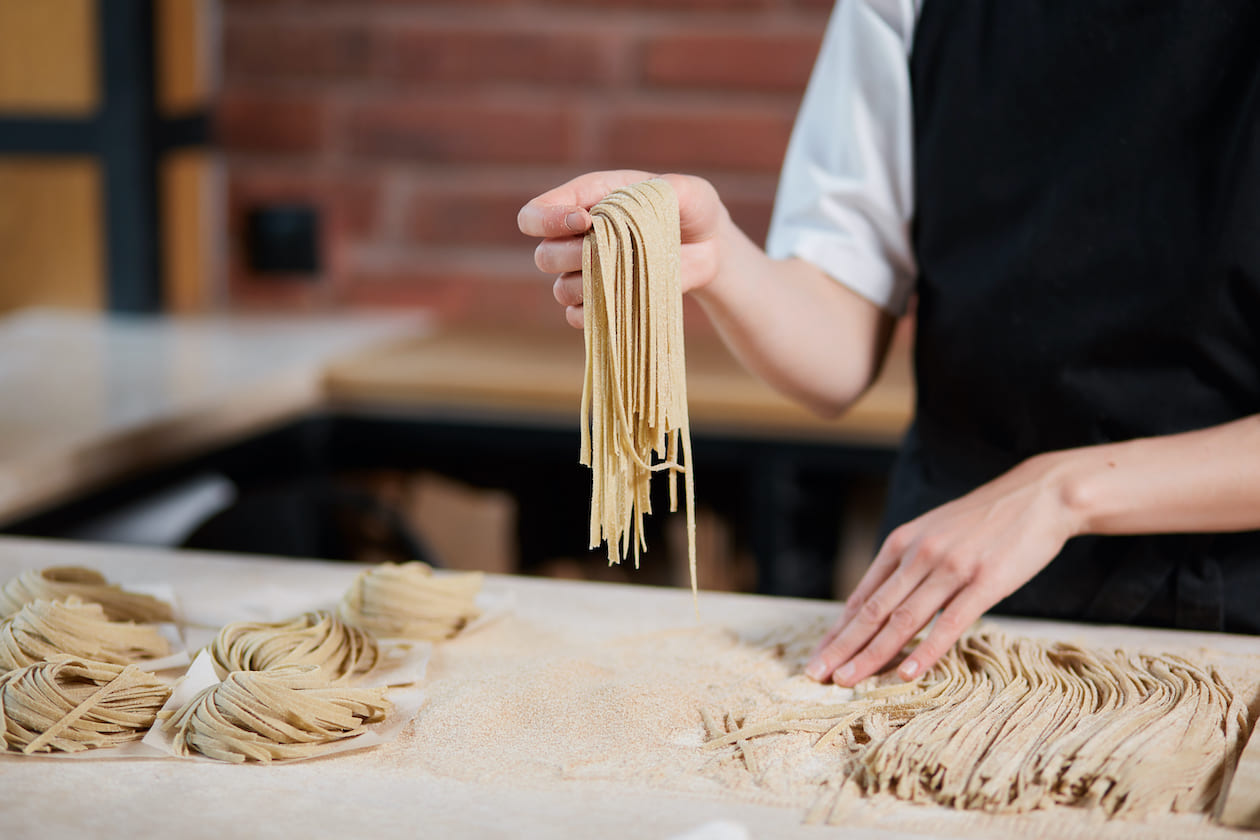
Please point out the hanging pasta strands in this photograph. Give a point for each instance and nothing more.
(634, 394)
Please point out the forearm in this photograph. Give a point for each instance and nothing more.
(1201, 481)
(805, 334)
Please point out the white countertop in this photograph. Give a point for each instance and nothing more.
(407, 789)
(87, 399)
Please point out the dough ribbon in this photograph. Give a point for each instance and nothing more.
(314, 638)
(66, 704)
(57, 583)
(634, 392)
(42, 629)
(408, 601)
(285, 713)
(1009, 725)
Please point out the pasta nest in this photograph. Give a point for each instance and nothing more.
(43, 629)
(408, 601)
(313, 638)
(58, 583)
(285, 713)
(67, 704)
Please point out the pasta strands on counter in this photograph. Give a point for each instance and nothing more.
(408, 601)
(634, 394)
(313, 638)
(69, 705)
(285, 713)
(57, 583)
(1010, 725)
(43, 629)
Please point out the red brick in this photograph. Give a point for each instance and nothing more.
(296, 50)
(348, 207)
(253, 122)
(738, 138)
(455, 217)
(349, 202)
(467, 56)
(462, 296)
(466, 131)
(736, 61)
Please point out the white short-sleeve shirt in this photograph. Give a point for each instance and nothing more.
(846, 194)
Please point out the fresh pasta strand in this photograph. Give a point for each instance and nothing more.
(69, 705)
(634, 393)
(319, 638)
(1009, 725)
(285, 713)
(57, 583)
(408, 601)
(42, 629)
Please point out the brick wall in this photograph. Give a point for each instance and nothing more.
(419, 128)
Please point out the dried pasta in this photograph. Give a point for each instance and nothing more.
(60, 582)
(1009, 725)
(408, 601)
(285, 713)
(314, 638)
(67, 704)
(42, 629)
(634, 394)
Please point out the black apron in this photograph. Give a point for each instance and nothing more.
(1087, 178)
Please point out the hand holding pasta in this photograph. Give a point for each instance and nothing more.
(562, 216)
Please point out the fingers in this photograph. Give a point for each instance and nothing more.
(562, 211)
(907, 619)
(963, 611)
(574, 315)
(884, 564)
(887, 604)
(557, 256)
(568, 289)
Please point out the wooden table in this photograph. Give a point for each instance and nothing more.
(402, 789)
(536, 377)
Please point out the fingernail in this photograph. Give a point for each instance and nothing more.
(844, 673)
(909, 669)
(816, 670)
(575, 221)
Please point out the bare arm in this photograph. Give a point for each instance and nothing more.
(804, 333)
(965, 556)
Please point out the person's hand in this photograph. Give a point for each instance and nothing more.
(560, 217)
(959, 559)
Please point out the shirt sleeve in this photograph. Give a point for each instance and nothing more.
(846, 194)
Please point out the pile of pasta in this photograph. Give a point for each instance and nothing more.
(408, 601)
(64, 704)
(1009, 725)
(316, 639)
(61, 582)
(280, 713)
(42, 629)
(284, 692)
(634, 393)
(71, 647)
